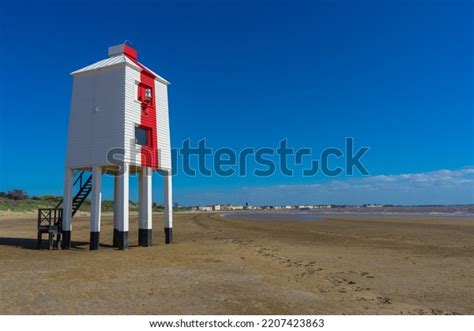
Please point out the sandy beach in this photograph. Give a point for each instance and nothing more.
(337, 265)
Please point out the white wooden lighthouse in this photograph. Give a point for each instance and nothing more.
(118, 124)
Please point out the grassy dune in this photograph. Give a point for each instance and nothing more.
(32, 204)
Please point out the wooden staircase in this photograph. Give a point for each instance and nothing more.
(85, 188)
(50, 219)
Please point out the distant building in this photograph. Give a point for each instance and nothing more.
(373, 205)
(323, 206)
(204, 208)
(216, 207)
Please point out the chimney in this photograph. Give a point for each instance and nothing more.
(123, 49)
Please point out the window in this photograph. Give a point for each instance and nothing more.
(148, 94)
(145, 93)
(142, 135)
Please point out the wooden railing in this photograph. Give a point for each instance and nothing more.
(50, 222)
(49, 217)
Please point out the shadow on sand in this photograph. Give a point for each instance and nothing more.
(30, 243)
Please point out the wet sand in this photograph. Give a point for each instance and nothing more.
(337, 265)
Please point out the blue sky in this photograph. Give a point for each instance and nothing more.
(395, 75)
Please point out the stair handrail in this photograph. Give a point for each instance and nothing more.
(78, 179)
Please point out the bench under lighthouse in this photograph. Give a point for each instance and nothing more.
(118, 125)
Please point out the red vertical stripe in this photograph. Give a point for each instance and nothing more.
(149, 154)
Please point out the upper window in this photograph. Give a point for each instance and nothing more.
(142, 135)
(148, 94)
(145, 93)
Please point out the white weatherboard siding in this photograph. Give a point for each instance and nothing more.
(105, 112)
(163, 126)
(79, 134)
(133, 113)
(97, 116)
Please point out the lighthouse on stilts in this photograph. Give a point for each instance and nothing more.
(118, 125)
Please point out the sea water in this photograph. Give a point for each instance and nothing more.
(316, 214)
